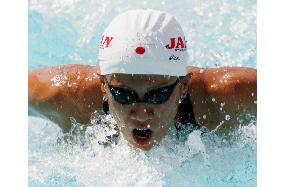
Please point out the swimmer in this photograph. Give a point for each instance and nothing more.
(143, 81)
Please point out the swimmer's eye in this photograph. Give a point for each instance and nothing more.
(160, 95)
(123, 96)
(155, 96)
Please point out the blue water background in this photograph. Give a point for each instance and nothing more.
(219, 32)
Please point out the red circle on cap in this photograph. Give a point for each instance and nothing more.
(140, 50)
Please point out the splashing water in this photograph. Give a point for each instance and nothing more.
(94, 160)
(221, 32)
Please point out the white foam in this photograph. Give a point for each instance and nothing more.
(91, 164)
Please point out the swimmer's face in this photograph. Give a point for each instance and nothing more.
(143, 124)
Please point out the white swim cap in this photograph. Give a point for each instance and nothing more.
(143, 42)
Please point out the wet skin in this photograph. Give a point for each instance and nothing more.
(215, 93)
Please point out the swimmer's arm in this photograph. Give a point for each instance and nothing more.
(61, 92)
(229, 97)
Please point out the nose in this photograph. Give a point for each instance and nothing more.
(141, 112)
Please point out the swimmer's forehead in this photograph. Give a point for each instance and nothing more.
(143, 78)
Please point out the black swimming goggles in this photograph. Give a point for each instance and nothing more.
(155, 96)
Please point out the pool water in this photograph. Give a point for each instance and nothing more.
(220, 32)
(200, 161)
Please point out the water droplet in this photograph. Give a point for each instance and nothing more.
(227, 117)
(104, 98)
(69, 84)
(226, 76)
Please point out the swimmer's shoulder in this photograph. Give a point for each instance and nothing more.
(61, 92)
(49, 81)
(224, 91)
(221, 79)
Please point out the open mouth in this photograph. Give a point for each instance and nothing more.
(142, 136)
